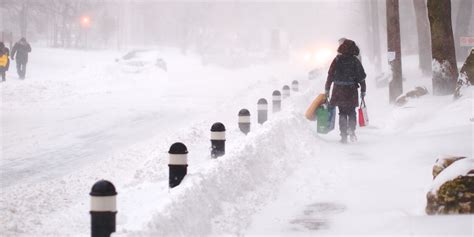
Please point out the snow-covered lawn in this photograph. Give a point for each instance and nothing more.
(80, 117)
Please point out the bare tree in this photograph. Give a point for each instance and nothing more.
(424, 41)
(18, 10)
(445, 71)
(394, 49)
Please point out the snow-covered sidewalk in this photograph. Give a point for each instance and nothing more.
(377, 186)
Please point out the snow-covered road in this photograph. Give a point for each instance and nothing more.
(66, 127)
(64, 117)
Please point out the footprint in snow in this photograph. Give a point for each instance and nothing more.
(316, 216)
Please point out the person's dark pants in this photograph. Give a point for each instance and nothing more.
(21, 69)
(2, 72)
(347, 120)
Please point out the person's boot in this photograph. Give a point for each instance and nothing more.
(343, 139)
(352, 136)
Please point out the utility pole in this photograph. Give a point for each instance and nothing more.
(394, 51)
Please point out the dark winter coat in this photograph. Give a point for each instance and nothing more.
(21, 50)
(346, 73)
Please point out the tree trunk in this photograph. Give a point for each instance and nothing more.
(468, 68)
(23, 19)
(445, 71)
(424, 41)
(376, 36)
(394, 52)
(463, 19)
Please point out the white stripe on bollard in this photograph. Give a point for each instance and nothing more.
(217, 135)
(104, 203)
(244, 119)
(262, 107)
(286, 92)
(178, 159)
(276, 98)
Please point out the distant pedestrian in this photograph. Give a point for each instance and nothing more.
(4, 60)
(21, 49)
(346, 73)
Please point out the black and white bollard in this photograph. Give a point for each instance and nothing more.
(217, 140)
(244, 121)
(276, 101)
(262, 108)
(103, 209)
(286, 92)
(178, 163)
(295, 86)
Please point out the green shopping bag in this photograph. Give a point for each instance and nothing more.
(326, 118)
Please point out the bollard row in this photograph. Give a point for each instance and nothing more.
(103, 208)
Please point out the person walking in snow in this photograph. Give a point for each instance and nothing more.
(21, 49)
(346, 73)
(4, 60)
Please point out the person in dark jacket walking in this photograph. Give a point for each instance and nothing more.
(21, 49)
(346, 73)
(4, 60)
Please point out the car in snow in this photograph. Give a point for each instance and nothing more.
(137, 61)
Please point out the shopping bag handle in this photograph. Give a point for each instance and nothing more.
(362, 103)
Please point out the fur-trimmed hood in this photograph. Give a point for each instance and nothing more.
(348, 47)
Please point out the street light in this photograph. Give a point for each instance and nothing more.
(85, 22)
